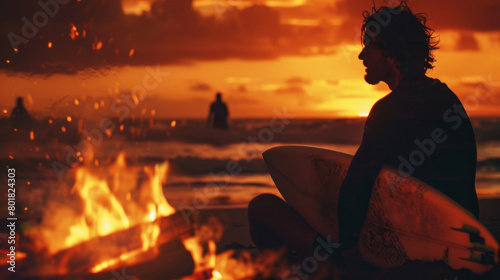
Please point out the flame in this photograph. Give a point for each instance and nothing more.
(193, 246)
(205, 265)
(216, 274)
(102, 211)
(230, 266)
(107, 208)
(211, 253)
(73, 33)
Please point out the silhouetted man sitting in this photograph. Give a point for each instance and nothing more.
(217, 117)
(419, 114)
(20, 117)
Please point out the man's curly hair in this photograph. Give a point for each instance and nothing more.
(402, 35)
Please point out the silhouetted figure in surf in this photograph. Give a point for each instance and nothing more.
(20, 117)
(217, 117)
(420, 128)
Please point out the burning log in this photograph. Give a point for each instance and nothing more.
(172, 262)
(122, 248)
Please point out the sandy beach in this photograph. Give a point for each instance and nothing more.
(236, 222)
(192, 167)
(236, 236)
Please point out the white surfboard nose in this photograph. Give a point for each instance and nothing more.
(300, 166)
(285, 160)
(279, 159)
(277, 155)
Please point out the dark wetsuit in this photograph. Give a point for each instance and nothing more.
(422, 130)
(20, 117)
(220, 113)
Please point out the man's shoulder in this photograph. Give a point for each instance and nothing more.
(439, 95)
(386, 103)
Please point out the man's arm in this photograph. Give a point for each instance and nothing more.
(355, 191)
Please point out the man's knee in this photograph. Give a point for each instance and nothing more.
(261, 205)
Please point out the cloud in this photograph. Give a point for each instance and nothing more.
(97, 34)
(333, 82)
(293, 90)
(200, 87)
(298, 81)
(175, 32)
(478, 92)
(242, 100)
(241, 88)
(443, 15)
(467, 42)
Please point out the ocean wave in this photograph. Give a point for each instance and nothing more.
(490, 165)
(202, 166)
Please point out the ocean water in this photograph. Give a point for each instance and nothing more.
(207, 167)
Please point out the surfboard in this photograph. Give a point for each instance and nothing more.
(406, 219)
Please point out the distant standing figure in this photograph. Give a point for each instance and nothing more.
(20, 117)
(218, 113)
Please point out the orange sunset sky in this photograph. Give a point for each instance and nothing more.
(261, 55)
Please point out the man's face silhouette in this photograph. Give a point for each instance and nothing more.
(378, 66)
